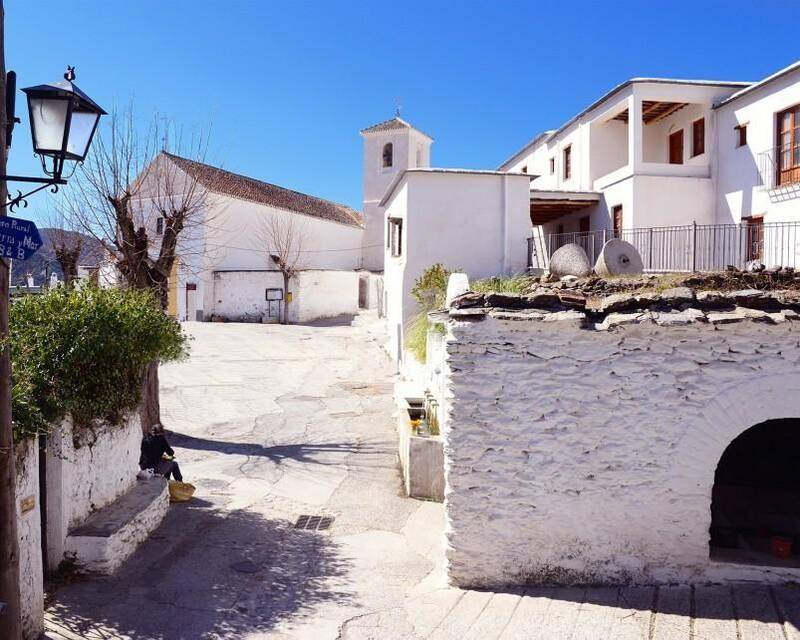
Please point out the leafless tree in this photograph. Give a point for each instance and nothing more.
(136, 197)
(283, 237)
(67, 244)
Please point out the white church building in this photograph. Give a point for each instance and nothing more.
(698, 174)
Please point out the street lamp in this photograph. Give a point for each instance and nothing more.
(63, 122)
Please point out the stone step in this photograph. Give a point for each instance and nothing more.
(111, 534)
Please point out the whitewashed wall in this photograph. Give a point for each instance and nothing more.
(86, 471)
(29, 535)
(739, 193)
(575, 455)
(316, 294)
(324, 294)
(474, 222)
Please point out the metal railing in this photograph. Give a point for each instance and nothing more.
(686, 248)
(779, 167)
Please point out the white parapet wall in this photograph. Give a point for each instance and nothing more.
(29, 534)
(321, 294)
(577, 455)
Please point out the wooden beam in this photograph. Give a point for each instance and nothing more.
(676, 107)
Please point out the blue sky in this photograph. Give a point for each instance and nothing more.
(288, 85)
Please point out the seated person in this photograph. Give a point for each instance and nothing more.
(158, 455)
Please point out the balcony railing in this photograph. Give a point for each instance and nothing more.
(779, 167)
(685, 248)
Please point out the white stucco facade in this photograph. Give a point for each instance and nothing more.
(410, 149)
(29, 536)
(581, 456)
(626, 160)
(475, 222)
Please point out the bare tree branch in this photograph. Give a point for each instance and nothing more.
(283, 236)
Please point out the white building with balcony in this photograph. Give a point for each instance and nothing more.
(697, 174)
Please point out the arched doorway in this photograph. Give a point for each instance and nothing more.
(755, 501)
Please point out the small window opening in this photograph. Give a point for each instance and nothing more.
(396, 237)
(698, 137)
(387, 155)
(567, 162)
(741, 135)
(552, 166)
(160, 226)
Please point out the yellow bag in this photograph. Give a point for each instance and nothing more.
(180, 491)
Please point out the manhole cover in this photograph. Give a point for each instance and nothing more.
(313, 523)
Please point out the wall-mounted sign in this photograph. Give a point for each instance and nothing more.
(274, 294)
(19, 239)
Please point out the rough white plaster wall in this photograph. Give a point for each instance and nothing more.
(575, 455)
(242, 295)
(102, 467)
(29, 536)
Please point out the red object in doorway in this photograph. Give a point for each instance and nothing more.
(780, 547)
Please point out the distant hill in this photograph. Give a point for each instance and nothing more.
(43, 262)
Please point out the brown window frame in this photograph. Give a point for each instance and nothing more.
(566, 157)
(675, 136)
(698, 137)
(396, 237)
(552, 165)
(741, 135)
(524, 168)
(788, 146)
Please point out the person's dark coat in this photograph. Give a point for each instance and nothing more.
(154, 446)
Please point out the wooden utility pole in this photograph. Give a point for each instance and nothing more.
(10, 618)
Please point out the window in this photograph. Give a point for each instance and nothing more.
(789, 146)
(552, 166)
(160, 226)
(676, 147)
(741, 135)
(524, 168)
(567, 162)
(698, 137)
(396, 236)
(584, 225)
(387, 155)
(616, 217)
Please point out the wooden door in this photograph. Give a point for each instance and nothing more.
(789, 146)
(584, 225)
(616, 216)
(754, 248)
(676, 147)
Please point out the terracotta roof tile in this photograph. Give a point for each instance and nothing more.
(239, 186)
(389, 125)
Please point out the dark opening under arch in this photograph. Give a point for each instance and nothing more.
(388, 154)
(755, 502)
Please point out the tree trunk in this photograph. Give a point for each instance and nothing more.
(10, 619)
(285, 299)
(150, 407)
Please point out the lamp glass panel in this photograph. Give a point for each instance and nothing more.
(80, 132)
(49, 118)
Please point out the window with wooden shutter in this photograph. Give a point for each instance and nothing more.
(788, 151)
(741, 135)
(698, 137)
(567, 162)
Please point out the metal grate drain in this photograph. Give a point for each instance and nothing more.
(313, 523)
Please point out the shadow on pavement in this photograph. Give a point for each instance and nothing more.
(206, 574)
(301, 452)
(339, 321)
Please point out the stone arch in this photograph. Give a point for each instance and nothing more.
(734, 410)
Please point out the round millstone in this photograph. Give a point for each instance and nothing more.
(618, 258)
(570, 260)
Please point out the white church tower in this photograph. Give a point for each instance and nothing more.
(390, 148)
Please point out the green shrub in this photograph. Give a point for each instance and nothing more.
(502, 284)
(430, 291)
(83, 351)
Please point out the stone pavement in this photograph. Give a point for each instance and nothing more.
(274, 422)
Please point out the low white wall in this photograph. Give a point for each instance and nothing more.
(324, 294)
(316, 294)
(29, 535)
(86, 471)
(575, 455)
